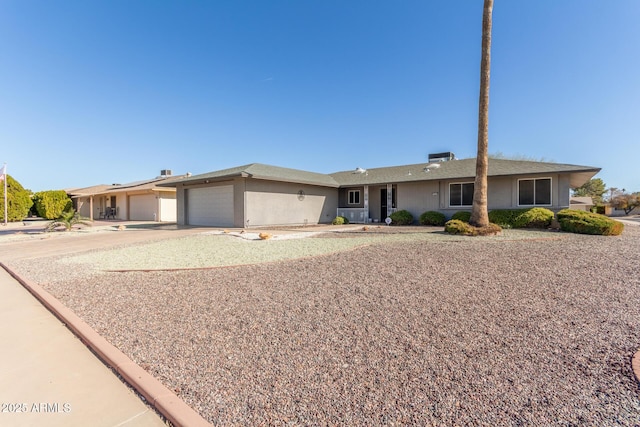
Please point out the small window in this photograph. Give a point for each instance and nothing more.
(461, 194)
(534, 192)
(354, 197)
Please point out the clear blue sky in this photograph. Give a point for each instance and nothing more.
(113, 91)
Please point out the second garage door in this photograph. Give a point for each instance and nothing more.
(210, 206)
(143, 207)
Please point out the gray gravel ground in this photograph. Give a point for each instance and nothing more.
(422, 329)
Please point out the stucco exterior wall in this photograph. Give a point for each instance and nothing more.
(278, 203)
(181, 210)
(564, 192)
(503, 193)
(418, 197)
(262, 202)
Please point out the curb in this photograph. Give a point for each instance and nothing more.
(635, 365)
(159, 396)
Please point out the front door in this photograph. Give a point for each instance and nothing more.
(383, 203)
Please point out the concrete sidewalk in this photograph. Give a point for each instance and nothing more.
(50, 378)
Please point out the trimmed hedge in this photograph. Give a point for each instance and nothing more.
(401, 217)
(432, 218)
(463, 216)
(340, 220)
(522, 218)
(582, 222)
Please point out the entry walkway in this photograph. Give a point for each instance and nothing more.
(49, 378)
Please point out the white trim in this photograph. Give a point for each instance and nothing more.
(534, 190)
(449, 195)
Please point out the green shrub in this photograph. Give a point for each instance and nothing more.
(456, 226)
(522, 218)
(432, 218)
(401, 217)
(582, 222)
(534, 218)
(18, 200)
(504, 217)
(340, 220)
(463, 216)
(51, 204)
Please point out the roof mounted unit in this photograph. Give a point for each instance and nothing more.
(166, 172)
(360, 170)
(431, 166)
(441, 157)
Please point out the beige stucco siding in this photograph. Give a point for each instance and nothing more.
(279, 203)
(84, 206)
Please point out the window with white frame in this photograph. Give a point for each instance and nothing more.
(354, 197)
(534, 192)
(461, 194)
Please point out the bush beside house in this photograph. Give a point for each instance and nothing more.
(432, 218)
(522, 218)
(463, 216)
(401, 217)
(582, 222)
(340, 220)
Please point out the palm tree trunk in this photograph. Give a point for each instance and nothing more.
(479, 212)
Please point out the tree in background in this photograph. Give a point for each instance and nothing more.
(18, 201)
(594, 188)
(479, 210)
(51, 204)
(625, 201)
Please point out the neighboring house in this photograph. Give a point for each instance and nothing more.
(136, 201)
(263, 195)
(581, 203)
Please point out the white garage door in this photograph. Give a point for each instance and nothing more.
(168, 208)
(143, 207)
(210, 206)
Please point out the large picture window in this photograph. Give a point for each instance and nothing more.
(533, 192)
(461, 194)
(354, 197)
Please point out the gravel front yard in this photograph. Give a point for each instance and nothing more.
(386, 329)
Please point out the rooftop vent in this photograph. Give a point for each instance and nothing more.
(166, 172)
(441, 157)
(431, 166)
